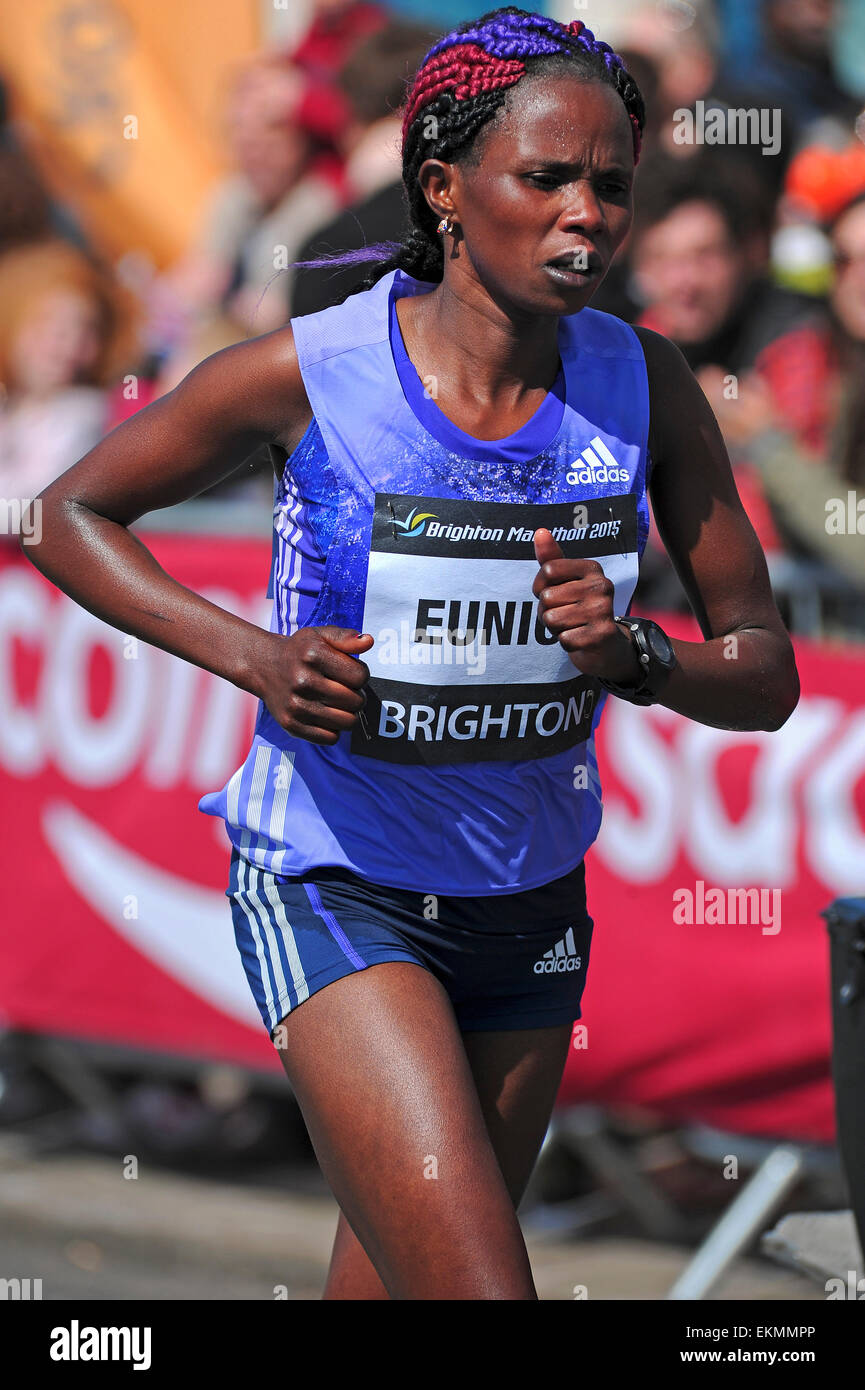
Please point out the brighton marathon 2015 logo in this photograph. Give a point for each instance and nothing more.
(449, 602)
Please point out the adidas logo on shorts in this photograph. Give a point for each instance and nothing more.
(562, 957)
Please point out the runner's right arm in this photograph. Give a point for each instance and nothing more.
(191, 438)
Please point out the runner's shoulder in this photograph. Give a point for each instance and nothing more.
(676, 401)
(662, 354)
(261, 377)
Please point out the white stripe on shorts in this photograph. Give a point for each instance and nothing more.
(262, 932)
(298, 978)
(253, 881)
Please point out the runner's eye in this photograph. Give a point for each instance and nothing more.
(615, 187)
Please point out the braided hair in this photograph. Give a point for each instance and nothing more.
(458, 88)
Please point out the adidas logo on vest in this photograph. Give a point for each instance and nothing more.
(562, 957)
(597, 465)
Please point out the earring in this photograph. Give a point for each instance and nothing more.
(444, 226)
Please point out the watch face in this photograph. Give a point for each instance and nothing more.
(660, 646)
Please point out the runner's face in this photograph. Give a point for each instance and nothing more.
(553, 179)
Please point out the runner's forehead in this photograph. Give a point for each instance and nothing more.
(571, 121)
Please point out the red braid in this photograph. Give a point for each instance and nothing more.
(466, 70)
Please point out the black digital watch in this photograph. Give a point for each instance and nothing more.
(657, 659)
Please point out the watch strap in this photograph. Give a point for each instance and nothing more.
(643, 693)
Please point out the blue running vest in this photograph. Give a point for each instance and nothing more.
(476, 771)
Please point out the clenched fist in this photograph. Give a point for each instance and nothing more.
(576, 603)
(311, 682)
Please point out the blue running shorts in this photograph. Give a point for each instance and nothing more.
(513, 960)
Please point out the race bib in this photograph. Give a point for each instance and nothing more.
(462, 669)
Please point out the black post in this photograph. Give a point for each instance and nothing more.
(845, 918)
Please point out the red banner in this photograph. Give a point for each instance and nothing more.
(703, 1000)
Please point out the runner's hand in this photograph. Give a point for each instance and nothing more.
(311, 682)
(576, 603)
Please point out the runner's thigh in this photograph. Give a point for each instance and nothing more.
(517, 1075)
(380, 1072)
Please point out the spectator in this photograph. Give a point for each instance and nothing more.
(64, 335)
(373, 82)
(27, 210)
(793, 68)
(800, 416)
(337, 27)
(683, 44)
(699, 253)
(228, 286)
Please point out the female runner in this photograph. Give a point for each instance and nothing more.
(459, 527)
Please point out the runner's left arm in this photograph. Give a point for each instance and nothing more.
(743, 676)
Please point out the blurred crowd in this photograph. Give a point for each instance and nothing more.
(747, 250)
